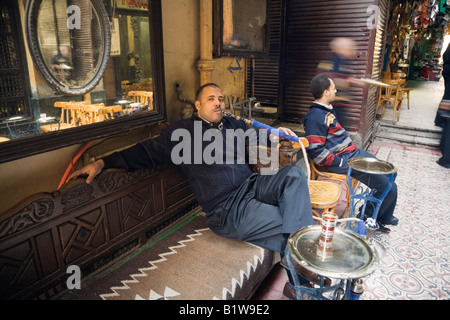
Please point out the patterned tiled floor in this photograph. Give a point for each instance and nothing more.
(416, 265)
(417, 260)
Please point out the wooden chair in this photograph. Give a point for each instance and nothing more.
(70, 115)
(92, 113)
(390, 94)
(320, 175)
(111, 111)
(143, 97)
(137, 96)
(69, 111)
(148, 97)
(55, 126)
(73, 113)
(125, 88)
(403, 89)
(385, 75)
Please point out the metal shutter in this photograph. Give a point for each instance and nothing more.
(263, 73)
(310, 26)
(378, 55)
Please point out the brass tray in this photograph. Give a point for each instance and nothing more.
(352, 255)
(371, 165)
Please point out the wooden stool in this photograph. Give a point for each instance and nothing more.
(324, 195)
(316, 174)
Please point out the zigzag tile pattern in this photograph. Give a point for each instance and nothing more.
(168, 276)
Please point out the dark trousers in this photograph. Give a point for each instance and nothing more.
(443, 120)
(379, 182)
(265, 210)
(446, 85)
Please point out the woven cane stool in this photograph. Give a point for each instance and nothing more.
(324, 195)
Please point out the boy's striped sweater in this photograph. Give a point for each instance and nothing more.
(327, 139)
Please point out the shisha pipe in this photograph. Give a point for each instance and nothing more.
(281, 134)
(259, 125)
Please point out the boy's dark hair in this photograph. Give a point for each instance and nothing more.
(319, 84)
(200, 90)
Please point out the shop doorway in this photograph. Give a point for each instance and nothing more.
(418, 34)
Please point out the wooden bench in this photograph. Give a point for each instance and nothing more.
(149, 215)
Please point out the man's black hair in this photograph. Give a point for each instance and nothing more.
(319, 84)
(200, 90)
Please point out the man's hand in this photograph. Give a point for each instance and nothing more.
(286, 131)
(92, 170)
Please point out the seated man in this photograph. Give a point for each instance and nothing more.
(338, 65)
(239, 203)
(331, 147)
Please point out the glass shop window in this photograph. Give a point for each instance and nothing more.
(72, 55)
(241, 28)
(134, 59)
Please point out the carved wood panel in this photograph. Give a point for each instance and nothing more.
(81, 223)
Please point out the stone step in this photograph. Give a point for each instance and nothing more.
(416, 136)
(408, 139)
(410, 133)
(430, 130)
(429, 136)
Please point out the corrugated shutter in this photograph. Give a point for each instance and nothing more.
(263, 73)
(310, 26)
(378, 55)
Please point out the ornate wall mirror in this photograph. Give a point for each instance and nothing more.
(70, 42)
(74, 60)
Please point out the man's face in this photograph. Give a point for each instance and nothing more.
(331, 92)
(348, 52)
(65, 51)
(211, 104)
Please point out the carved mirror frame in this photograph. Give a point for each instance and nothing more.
(31, 27)
(37, 144)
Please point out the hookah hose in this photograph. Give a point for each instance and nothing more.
(281, 134)
(259, 125)
(72, 163)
